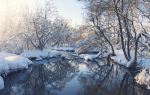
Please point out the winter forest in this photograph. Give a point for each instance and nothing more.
(44, 52)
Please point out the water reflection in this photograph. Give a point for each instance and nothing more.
(42, 79)
(72, 77)
(104, 80)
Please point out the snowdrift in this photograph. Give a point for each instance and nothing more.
(10, 62)
(39, 55)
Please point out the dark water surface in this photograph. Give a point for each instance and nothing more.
(72, 77)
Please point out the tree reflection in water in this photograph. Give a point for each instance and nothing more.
(109, 80)
(77, 77)
(42, 79)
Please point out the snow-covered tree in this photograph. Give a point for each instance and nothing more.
(118, 22)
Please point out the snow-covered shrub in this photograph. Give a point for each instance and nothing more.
(91, 43)
(143, 77)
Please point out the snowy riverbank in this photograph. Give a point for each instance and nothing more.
(143, 77)
(11, 62)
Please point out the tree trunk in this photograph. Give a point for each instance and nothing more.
(121, 33)
(136, 47)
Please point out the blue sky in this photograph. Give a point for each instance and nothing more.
(70, 9)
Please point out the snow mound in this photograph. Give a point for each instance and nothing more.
(68, 55)
(12, 61)
(90, 56)
(3, 67)
(144, 77)
(17, 62)
(119, 58)
(64, 48)
(1, 83)
(41, 54)
(35, 53)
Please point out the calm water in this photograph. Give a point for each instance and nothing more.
(72, 77)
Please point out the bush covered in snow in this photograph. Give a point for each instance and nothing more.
(144, 77)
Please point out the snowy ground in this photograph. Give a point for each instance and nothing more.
(13, 61)
(49, 53)
(93, 56)
(10, 62)
(39, 55)
(63, 48)
(119, 58)
(55, 52)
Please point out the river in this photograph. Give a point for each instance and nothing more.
(58, 76)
